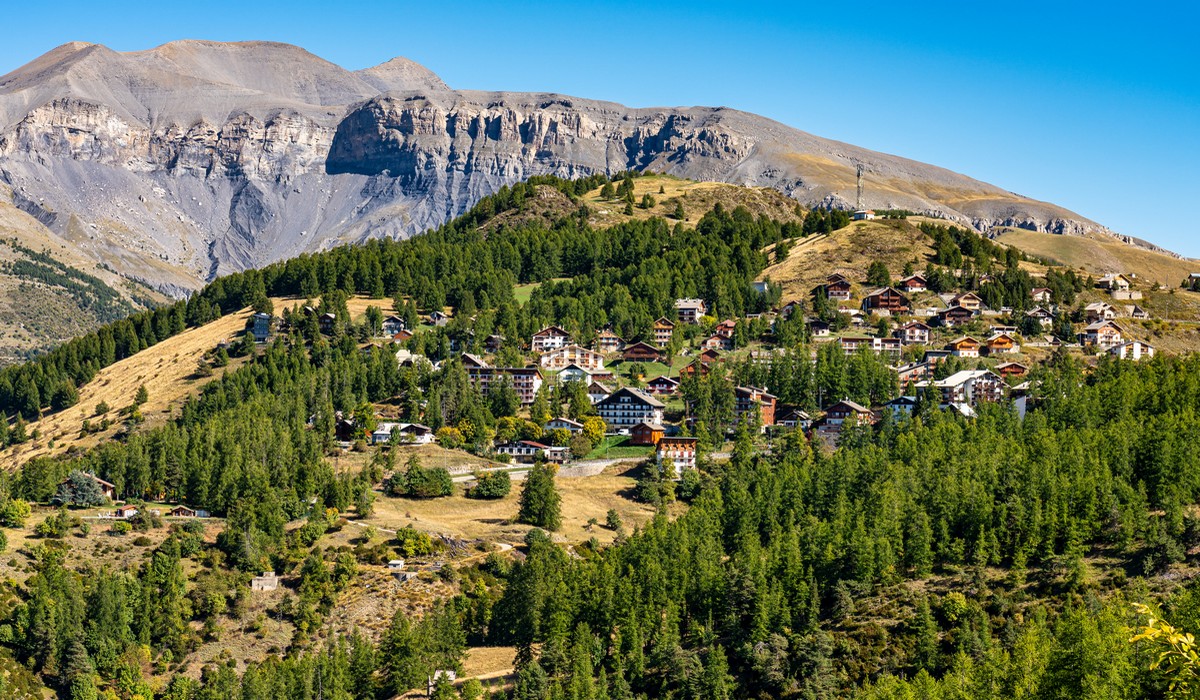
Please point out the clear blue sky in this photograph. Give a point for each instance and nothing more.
(1093, 106)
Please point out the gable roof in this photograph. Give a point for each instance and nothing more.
(853, 406)
(635, 393)
(551, 330)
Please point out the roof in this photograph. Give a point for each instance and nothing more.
(685, 303)
(599, 385)
(561, 419)
(646, 425)
(914, 324)
(856, 407)
(475, 360)
(959, 341)
(677, 440)
(551, 330)
(664, 378)
(1101, 324)
(636, 393)
(664, 321)
(753, 391)
(965, 375)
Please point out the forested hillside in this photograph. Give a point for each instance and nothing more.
(926, 556)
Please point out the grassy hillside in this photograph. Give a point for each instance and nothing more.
(849, 251)
(1100, 255)
(50, 292)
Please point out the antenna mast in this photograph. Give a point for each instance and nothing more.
(858, 201)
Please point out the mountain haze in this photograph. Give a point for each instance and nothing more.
(196, 158)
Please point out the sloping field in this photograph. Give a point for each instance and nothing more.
(166, 369)
(1100, 256)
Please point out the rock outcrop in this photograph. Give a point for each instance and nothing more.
(197, 158)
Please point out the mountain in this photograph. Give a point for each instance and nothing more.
(194, 159)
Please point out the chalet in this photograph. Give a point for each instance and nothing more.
(181, 512)
(627, 407)
(863, 215)
(646, 433)
(663, 386)
(955, 316)
(574, 373)
(493, 343)
(125, 512)
(969, 387)
(1135, 311)
(261, 327)
(572, 355)
(717, 342)
(267, 582)
(526, 452)
(344, 429)
(641, 352)
(676, 454)
(965, 346)
(936, 357)
(754, 406)
(1011, 369)
(914, 283)
(327, 322)
(663, 330)
(393, 325)
(1114, 283)
(438, 318)
(690, 310)
(709, 356)
(818, 328)
(1044, 318)
(697, 368)
(1002, 343)
(845, 410)
(914, 333)
(837, 287)
(549, 338)
(406, 433)
(1099, 311)
(1101, 334)
(887, 299)
(402, 336)
(793, 418)
(1132, 350)
(725, 328)
(1042, 295)
(969, 301)
(790, 308)
(473, 361)
(608, 342)
(571, 426)
(597, 392)
(913, 372)
(901, 405)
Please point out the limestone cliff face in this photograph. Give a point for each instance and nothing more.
(197, 158)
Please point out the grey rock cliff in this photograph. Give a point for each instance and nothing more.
(198, 158)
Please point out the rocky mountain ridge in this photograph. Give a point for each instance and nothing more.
(194, 158)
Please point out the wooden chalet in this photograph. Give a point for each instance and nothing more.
(845, 410)
(914, 283)
(663, 329)
(1011, 369)
(1002, 343)
(966, 346)
(641, 352)
(645, 433)
(663, 386)
(887, 299)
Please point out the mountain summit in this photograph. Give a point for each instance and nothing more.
(178, 163)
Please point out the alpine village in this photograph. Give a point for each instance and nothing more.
(571, 445)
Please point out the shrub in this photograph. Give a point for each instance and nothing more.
(120, 528)
(495, 484)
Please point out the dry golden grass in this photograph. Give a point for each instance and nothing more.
(166, 369)
(698, 198)
(849, 251)
(583, 498)
(1099, 255)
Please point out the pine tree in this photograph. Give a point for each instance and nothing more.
(540, 503)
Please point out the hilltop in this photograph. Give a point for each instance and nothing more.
(211, 157)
